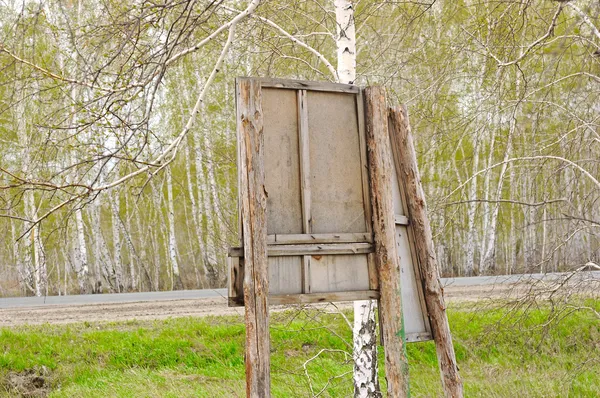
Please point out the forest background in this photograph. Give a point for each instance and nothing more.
(117, 130)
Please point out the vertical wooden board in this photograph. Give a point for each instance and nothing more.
(397, 194)
(414, 316)
(282, 168)
(406, 157)
(335, 164)
(285, 275)
(338, 273)
(386, 256)
(254, 224)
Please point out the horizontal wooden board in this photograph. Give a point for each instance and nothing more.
(312, 249)
(310, 298)
(266, 82)
(415, 337)
(400, 220)
(292, 239)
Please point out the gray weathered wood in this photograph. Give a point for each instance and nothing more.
(304, 145)
(323, 297)
(282, 170)
(360, 112)
(285, 275)
(304, 85)
(403, 142)
(416, 319)
(235, 282)
(338, 273)
(254, 224)
(337, 204)
(380, 168)
(400, 220)
(292, 239)
(312, 249)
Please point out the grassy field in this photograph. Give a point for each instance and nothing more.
(499, 354)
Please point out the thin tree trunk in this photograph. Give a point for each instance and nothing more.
(116, 235)
(471, 210)
(177, 283)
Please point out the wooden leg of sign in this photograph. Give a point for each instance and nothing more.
(402, 140)
(254, 203)
(386, 259)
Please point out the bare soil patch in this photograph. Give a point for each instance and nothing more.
(31, 383)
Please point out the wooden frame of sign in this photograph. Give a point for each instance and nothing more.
(324, 200)
(319, 217)
(318, 206)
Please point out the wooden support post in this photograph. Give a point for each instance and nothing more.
(402, 141)
(386, 259)
(254, 227)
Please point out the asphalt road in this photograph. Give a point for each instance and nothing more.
(76, 300)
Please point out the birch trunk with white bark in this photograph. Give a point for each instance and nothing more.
(366, 383)
(116, 235)
(471, 210)
(177, 283)
(208, 256)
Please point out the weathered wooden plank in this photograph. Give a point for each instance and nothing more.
(415, 337)
(285, 275)
(330, 297)
(403, 142)
(310, 249)
(323, 297)
(293, 239)
(364, 167)
(400, 220)
(282, 170)
(390, 305)
(254, 226)
(413, 306)
(304, 85)
(339, 273)
(303, 138)
(235, 281)
(304, 147)
(337, 204)
(416, 317)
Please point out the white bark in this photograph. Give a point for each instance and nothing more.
(177, 284)
(39, 256)
(116, 235)
(196, 217)
(345, 41)
(103, 265)
(81, 254)
(208, 256)
(217, 226)
(471, 210)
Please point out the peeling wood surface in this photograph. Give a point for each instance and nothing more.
(254, 224)
(403, 142)
(390, 305)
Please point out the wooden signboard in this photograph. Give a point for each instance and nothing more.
(318, 212)
(332, 209)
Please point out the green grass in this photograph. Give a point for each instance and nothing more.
(499, 354)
